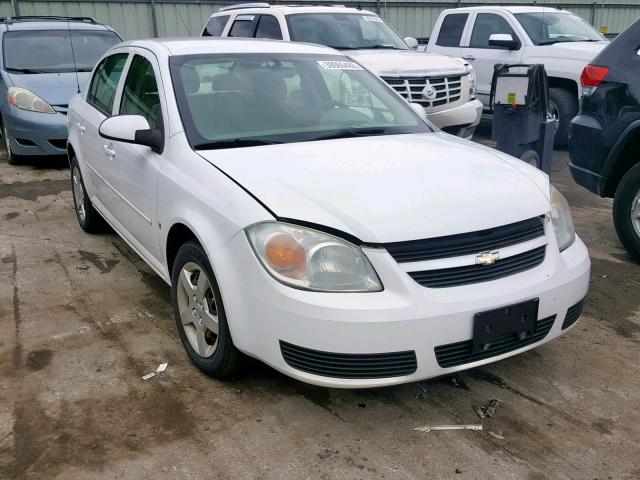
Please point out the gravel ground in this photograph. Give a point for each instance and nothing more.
(83, 318)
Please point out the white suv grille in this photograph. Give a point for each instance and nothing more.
(446, 89)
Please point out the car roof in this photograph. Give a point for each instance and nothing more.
(50, 23)
(198, 45)
(290, 9)
(510, 8)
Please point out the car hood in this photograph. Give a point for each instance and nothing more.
(389, 188)
(406, 62)
(575, 50)
(53, 88)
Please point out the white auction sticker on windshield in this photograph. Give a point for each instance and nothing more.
(339, 65)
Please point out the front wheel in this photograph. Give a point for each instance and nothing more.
(563, 105)
(200, 315)
(88, 217)
(626, 211)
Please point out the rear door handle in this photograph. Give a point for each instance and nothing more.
(80, 127)
(109, 151)
(469, 57)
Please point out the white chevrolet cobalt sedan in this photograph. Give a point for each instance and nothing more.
(306, 215)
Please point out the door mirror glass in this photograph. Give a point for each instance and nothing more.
(411, 42)
(503, 40)
(131, 129)
(419, 109)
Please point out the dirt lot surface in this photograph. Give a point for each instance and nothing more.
(82, 319)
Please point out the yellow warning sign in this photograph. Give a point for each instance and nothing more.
(604, 29)
(511, 98)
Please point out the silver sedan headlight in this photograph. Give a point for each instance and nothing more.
(561, 219)
(312, 260)
(27, 100)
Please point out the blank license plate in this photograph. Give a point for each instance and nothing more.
(519, 319)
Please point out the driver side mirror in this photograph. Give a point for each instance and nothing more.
(503, 40)
(419, 110)
(133, 129)
(411, 42)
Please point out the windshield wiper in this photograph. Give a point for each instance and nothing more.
(380, 46)
(350, 133)
(234, 143)
(24, 70)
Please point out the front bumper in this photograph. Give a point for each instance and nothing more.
(460, 120)
(34, 133)
(405, 316)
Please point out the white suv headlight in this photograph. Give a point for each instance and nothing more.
(312, 260)
(27, 100)
(561, 219)
(472, 82)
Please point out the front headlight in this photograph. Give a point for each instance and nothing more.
(26, 100)
(561, 219)
(472, 83)
(312, 260)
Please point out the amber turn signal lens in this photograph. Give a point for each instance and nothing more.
(284, 253)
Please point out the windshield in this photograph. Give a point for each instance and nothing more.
(49, 51)
(237, 100)
(344, 31)
(545, 28)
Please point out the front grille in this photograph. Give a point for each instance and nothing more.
(573, 314)
(459, 353)
(349, 365)
(448, 89)
(59, 143)
(453, 277)
(466, 243)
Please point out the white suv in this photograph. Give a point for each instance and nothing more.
(305, 215)
(443, 85)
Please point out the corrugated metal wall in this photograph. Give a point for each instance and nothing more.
(135, 19)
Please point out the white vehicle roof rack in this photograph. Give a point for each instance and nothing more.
(240, 6)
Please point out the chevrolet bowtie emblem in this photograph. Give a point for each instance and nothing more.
(487, 258)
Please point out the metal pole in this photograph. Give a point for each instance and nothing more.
(154, 18)
(593, 13)
(16, 7)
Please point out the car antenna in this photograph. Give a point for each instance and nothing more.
(73, 55)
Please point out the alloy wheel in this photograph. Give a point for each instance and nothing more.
(7, 145)
(198, 309)
(78, 194)
(554, 112)
(635, 213)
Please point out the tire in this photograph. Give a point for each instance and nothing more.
(88, 217)
(626, 211)
(564, 104)
(531, 157)
(199, 311)
(12, 159)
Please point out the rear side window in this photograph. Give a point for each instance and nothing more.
(215, 26)
(140, 93)
(242, 26)
(268, 27)
(487, 24)
(104, 83)
(451, 30)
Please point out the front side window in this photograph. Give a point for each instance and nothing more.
(546, 28)
(49, 51)
(140, 93)
(451, 30)
(102, 90)
(215, 26)
(344, 31)
(242, 26)
(268, 27)
(487, 24)
(290, 97)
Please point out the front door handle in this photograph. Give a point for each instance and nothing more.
(109, 151)
(80, 127)
(469, 57)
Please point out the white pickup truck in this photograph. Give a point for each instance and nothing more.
(444, 86)
(485, 36)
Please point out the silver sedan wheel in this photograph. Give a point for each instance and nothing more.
(198, 310)
(78, 193)
(635, 213)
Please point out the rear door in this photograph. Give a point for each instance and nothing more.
(482, 56)
(449, 34)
